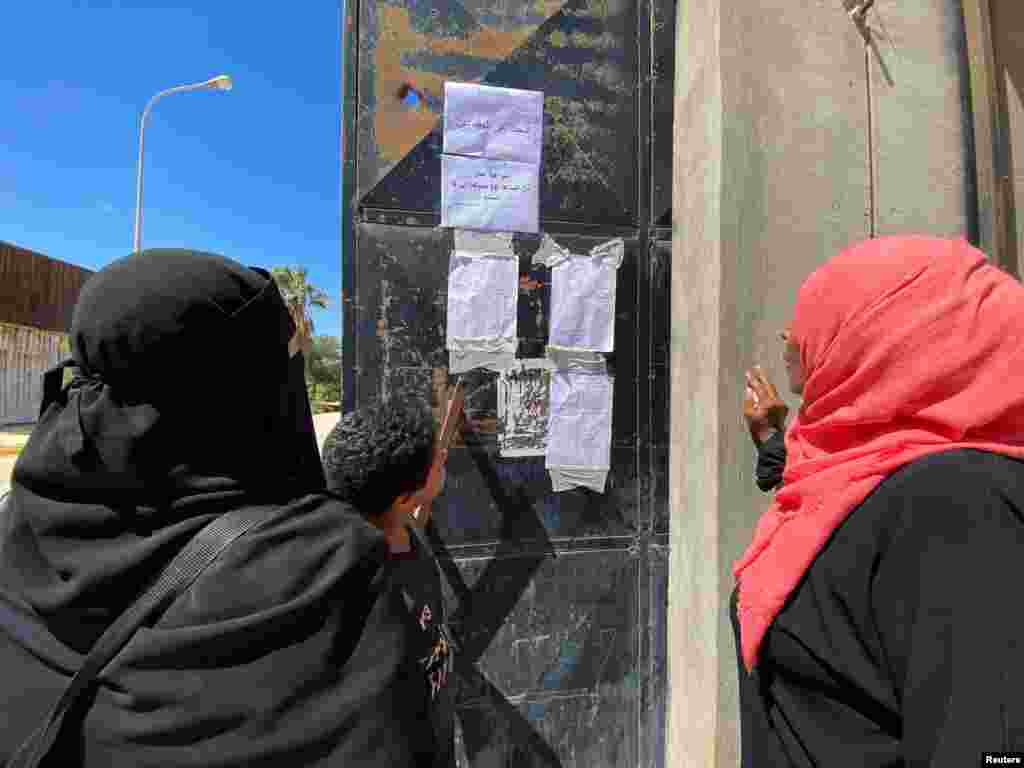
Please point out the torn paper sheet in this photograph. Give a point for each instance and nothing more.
(523, 408)
(497, 195)
(582, 295)
(567, 479)
(483, 293)
(580, 427)
(569, 358)
(498, 123)
(499, 361)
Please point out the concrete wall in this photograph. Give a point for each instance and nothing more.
(922, 120)
(790, 144)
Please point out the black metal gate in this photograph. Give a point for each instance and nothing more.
(562, 596)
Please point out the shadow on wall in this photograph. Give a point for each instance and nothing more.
(499, 727)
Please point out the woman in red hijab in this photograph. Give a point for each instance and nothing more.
(876, 609)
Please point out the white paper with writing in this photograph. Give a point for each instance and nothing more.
(485, 194)
(579, 425)
(496, 123)
(483, 293)
(582, 295)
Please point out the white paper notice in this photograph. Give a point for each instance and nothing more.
(580, 421)
(481, 299)
(497, 123)
(496, 195)
(582, 295)
(483, 292)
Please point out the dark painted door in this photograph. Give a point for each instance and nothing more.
(561, 598)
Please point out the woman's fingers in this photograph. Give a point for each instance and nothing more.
(762, 378)
(766, 388)
(755, 385)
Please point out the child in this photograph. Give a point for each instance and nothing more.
(384, 460)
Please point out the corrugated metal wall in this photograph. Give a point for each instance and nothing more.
(37, 291)
(25, 354)
(37, 299)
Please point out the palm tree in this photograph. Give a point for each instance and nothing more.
(300, 297)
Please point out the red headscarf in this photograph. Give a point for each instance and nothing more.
(911, 346)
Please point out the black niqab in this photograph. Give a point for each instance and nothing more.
(183, 370)
(185, 404)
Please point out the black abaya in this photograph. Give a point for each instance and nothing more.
(186, 405)
(902, 645)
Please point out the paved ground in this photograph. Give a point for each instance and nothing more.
(12, 438)
(6, 467)
(323, 424)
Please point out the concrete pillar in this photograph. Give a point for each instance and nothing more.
(770, 178)
(791, 142)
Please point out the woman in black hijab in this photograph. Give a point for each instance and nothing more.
(187, 403)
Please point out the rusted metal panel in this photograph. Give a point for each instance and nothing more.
(37, 291)
(25, 355)
(581, 54)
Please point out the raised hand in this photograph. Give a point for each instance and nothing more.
(763, 409)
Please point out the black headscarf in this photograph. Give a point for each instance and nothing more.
(186, 404)
(183, 370)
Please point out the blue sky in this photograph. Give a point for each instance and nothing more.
(252, 174)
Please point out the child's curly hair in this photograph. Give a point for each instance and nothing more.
(379, 452)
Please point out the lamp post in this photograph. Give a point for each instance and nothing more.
(219, 83)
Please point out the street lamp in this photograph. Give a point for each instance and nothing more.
(219, 83)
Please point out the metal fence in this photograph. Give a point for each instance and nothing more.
(37, 299)
(25, 354)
